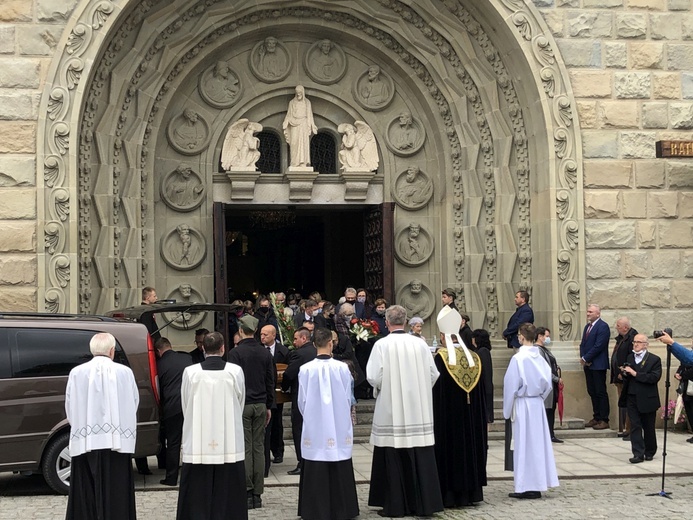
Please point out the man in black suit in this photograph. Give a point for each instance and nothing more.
(198, 355)
(594, 358)
(305, 351)
(274, 437)
(623, 347)
(523, 314)
(642, 372)
(170, 367)
(309, 313)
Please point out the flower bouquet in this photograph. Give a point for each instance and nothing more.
(363, 330)
(286, 324)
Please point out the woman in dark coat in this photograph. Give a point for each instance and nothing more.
(481, 344)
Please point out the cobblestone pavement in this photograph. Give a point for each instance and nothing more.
(576, 498)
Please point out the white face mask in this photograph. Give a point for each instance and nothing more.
(316, 312)
(547, 340)
(361, 299)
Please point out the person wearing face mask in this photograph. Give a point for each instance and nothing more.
(264, 315)
(363, 299)
(233, 318)
(309, 312)
(379, 316)
(543, 341)
(350, 298)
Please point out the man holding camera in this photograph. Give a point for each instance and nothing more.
(641, 373)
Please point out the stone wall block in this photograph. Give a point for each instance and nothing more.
(687, 26)
(653, 5)
(567, 3)
(581, 53)
(591, 83)
(682, 293)
(646, 55)
(7, 35)
(637, 264)
(602, 204)
(619, 114)
(680, 321)
(687, 85)
(649, 174)
(16, 137)
(665, 26)
(590, 24)
(613, 295)
(632, 85)
(662, 204)
(646, 234)
(679, 5)
(18, 299)
(681, 115)
(666, 85)
(609, 234)
(602, 264)
(17, 105)
(38, 40)
(638, 145)
(18, 270)
(631, 25)
(666, 264)
(675, 234)
(655, 115)
(602, 4)
(634, 204)
(15, 11)
(19, 72)
(17, 236)
(587, 113)
(17, 170)
(608, 174)
(655, 295)
(17, 203)
(679, 174)
(599, 144)
(680, 56)
(686, 204)
(688, 264)
(554, 19)
(54, 10)
(615, 55)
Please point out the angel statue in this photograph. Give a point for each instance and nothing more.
(241, 148)
(359, 151)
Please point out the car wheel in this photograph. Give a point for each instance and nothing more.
(57, 464)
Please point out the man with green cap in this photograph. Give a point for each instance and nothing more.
(258, 370)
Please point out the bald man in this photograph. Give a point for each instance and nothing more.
(274, 433)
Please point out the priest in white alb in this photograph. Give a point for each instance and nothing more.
(327, 490)
(404, 476)
(101, 402)
(212, 484)
(526, 384)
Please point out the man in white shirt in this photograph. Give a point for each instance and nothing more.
(101, 402)
(213, 482)
(327, 488)
(404, 475)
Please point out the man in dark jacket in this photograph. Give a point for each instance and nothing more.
(523, 314)
(258, 370)
(305, 351)
(274, 436)
(642, 372)
(623, 347)
(198, 355)
(594, 358)
(170, 367)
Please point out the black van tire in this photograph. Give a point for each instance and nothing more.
(55, 464)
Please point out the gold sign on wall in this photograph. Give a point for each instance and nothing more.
(682, 149)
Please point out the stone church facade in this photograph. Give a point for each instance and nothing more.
(517, 138)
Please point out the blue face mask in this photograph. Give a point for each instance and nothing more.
(547, 341)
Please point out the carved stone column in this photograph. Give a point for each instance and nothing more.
(356, 184)
(300, 182)
(242, 184)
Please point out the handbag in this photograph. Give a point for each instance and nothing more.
(678, 409)
(689, 388)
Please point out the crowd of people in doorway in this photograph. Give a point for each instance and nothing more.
(219, 408)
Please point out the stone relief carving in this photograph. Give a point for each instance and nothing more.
(298, 126)
(412, 189)
(373, 89)
(220, 86)
(413, 245)
(325, 62)
(405, 135)
(188, 133)
(182, 189)
(416, 298)
(359, 150)
(185, 292)
(183, 247)
(241, 148)
(270, 60)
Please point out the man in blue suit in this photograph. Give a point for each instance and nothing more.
(594, 358)
(523, 314)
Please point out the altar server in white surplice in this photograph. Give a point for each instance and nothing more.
(327, 490)
(212, 484)
(526, 384)
(404, 475)
(101, 402)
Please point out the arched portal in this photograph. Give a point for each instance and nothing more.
(469, 106)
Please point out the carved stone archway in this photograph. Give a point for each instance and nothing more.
(104, 116)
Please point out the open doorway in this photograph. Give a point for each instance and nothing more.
(294, 248)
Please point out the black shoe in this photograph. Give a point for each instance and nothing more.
(278, 459)
(251, 502)
(626, 437)
(556, 439)
(635, 460)
(145, 471)
(690, 440)
(649, 457)
(257, 501)
(525, 495)
(168, 482)
(623, 434)
(295, 471)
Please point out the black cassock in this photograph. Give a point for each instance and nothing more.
(461, 436)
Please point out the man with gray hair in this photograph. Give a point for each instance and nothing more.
(101, 402)
(404, 475)
(594, 358)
